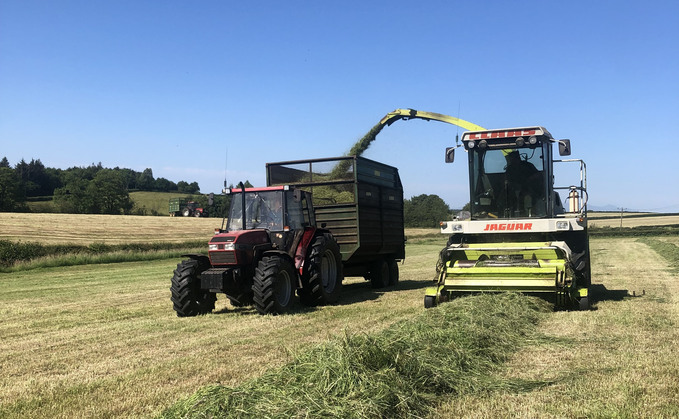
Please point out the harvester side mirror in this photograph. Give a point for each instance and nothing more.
(564, 147)
(450, 154)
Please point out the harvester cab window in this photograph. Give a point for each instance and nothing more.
(508, 182)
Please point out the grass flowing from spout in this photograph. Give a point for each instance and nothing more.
(357, 149)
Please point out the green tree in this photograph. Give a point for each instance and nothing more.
(108, 193)
(145, 180)
(425, 211)
(12, 197)
(72, 197)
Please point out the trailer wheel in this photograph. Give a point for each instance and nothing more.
(322, 283)
(187, 297)
(379, 274)
(429, 301)
(393, 272)
(273, 285)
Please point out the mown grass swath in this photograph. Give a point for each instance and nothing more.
(398, 372)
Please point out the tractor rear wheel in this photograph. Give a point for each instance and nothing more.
(186, 212)
(322, 282)
(273, 285)
(379, 274)
(187, 297)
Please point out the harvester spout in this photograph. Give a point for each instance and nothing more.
(406, 114)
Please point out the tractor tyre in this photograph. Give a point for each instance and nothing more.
(186, 212)
(429, 301)
(393, 272)
(197, 214)
(322, 281)
(379, 274)
(187, 297)
(274, 285)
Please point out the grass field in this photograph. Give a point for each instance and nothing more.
(103, 340)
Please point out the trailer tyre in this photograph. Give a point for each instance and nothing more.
(322, 283)
(379, 274)
(187, 297)
(273, 285)
(393, 272)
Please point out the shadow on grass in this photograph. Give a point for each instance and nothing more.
(353, 293)
(599, 292)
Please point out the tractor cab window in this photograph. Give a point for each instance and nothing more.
(262, 210)
(508, 183)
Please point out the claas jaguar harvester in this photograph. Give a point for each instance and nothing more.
(276, 246)
(518, 234)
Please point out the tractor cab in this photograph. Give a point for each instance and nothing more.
(510, 173)
(276, 208)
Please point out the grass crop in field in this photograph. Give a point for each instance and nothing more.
(108, 229)
(398, 372)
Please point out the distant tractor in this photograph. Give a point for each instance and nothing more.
(275, 245)
(182, 207)
(518, 235)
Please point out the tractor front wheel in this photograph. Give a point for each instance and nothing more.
(273, 285)
(187, 297)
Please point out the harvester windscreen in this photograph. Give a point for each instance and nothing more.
(508, 183)
(262, 210)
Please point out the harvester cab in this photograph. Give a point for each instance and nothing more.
(517, 234)
(267, 250)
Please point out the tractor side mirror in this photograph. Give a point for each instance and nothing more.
(450, 154)
(564, 147)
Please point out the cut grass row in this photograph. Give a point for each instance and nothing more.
(398, 372)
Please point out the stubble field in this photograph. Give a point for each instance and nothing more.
(102, 340)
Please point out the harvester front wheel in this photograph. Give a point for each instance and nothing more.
(273, 285)
(187, 297)
(322, 282)
(429, 301)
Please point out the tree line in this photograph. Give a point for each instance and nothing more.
(82, 190)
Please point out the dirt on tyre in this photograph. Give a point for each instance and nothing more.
(274, 285)
(322, 281)
(188, 299)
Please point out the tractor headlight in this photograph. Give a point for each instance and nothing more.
(213, 246)
(229, 246)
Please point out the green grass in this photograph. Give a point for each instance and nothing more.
(398, 372)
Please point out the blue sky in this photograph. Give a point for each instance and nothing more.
(176, 86)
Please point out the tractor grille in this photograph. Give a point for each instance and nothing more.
(227, 257)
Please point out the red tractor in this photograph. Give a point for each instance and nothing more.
(269, 252)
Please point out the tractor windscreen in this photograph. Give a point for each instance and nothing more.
(508, 182)
(262, 210)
